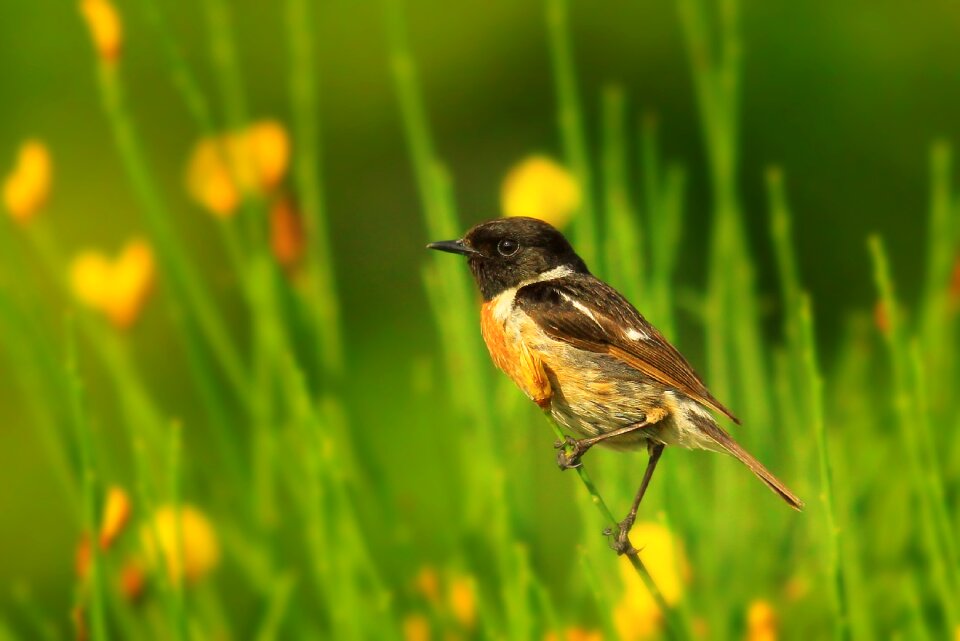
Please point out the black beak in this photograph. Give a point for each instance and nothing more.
(453, 246)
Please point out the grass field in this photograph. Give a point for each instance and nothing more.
(222, 467)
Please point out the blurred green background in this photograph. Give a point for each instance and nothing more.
(847, 97)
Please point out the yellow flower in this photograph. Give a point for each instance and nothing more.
(116, 288)
(761, 621)
(541, 188)
(462, 600)
(198, 551)
(636, 615)
(105, 27)
(27, 186)
(226, 168)
(416, 628)
(116, 513)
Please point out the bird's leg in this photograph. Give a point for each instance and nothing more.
(622, 542)
(578, 447)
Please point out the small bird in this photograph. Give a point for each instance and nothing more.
(587, 357)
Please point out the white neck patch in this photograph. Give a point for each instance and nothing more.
(504, 304)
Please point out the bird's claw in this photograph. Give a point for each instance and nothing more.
(620, 540)
(567, 460)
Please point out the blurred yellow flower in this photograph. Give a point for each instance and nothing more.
(27, 186)
(636, 615)
(117, 288)
(416, 628)
(761, 621)
(223, 169)
(198, 551)
(105, 27)
(462, 600)
(541, 188)
(116, 513)
(574, 634)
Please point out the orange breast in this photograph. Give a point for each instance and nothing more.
(511, 355)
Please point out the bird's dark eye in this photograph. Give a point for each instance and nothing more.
(508, 247)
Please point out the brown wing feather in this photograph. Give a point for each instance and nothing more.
(558, 307)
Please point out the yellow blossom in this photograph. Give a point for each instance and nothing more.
(224, 169)
(198, 550)
(541, 188)
(116, 513)
(117, 288)
(761, 621)
(105, 27)
(462, 600)
(416, 628)
(27, 186)
(636, 615)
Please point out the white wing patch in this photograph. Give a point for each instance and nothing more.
(581, 307)
(637, 335)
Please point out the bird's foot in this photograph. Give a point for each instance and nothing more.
(620, 539)
(569, 451)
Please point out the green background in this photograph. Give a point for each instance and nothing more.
(847, 97)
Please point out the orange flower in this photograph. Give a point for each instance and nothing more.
(287, 235)
(117, 288)
(575, 634)
(116, 513)
(541, 188)
(194, 555)
(226, 168)
(462, 600)
(105, 27)
(416, 628)
(761, 621)
(881, 318)
(82, 558)
(133, 581)
(636, 615)
(27, 186)
(428, 584)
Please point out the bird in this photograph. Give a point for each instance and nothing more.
(579, 350)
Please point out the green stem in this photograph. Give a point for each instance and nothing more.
(572, 131)
(307, 166)
(674, 627)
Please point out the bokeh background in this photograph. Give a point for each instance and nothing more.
(846, 97)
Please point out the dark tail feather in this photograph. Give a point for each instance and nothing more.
(724, 440)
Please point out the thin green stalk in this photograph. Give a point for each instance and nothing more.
(827, 493)
(675, 628)
(277, 607)
(185, 279)
(308, 170)
(175, 490)
(663, 216)
(572, 130)
(733, 333)
(91, 491)
(906, 407)
(624, 233)
(939, 339)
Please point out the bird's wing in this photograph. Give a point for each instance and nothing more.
(590, 315)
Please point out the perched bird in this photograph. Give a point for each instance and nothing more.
(587, 357)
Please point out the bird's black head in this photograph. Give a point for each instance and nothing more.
(508, 251)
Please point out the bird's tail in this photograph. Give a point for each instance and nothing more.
(726, 442)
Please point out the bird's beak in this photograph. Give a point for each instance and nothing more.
(453, 246)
